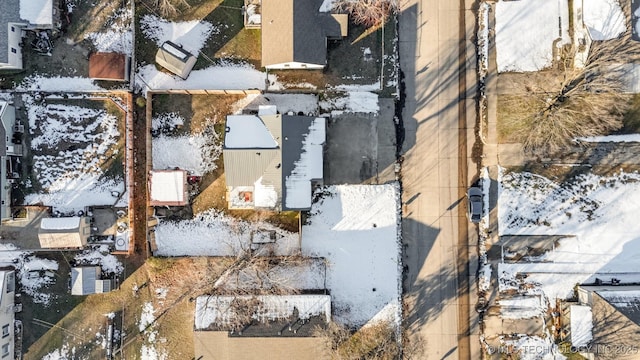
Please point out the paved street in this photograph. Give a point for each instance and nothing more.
(438, 59)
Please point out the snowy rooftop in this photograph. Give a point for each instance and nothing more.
(168, 187)
(247, 131)
(262, 153)
(308, 165)
(222, 311)
(626, 301)
(355, 227)
(581, 325)
(603, 18)
(37, 12)
(61, 223)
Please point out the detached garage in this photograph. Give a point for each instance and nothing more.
(64, 232)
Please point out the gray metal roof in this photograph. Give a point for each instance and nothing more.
(294, 131)
(83, 280)
(294, 30)
(10, 13)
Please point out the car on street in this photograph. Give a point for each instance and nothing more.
(474, 204)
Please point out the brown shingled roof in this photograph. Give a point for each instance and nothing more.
(107, 66)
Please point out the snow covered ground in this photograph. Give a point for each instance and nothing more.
(100, 255)
(191, 35)
(355, 227)
(70, 145)
(536, 23)
(603, 18)
(534, 348)
(195, 153)
(28, 269)
(149, 349)
(353, 98)
(601, 213)
(214, 234)
(216, 77)
(119, 36)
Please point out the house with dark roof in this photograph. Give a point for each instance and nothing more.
(295, 33)
(614, 323)
(273, 161)
(18, 16)
(248, 327)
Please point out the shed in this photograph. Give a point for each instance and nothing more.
(87, 280)
(174, 58)
(168, 188)
(109, 66)
(64, 232)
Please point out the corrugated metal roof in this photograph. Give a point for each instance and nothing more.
(83, 280)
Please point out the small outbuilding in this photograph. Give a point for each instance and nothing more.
(109, 66)
(86, 280)
(168, 188)
(174, 58)
(64, 232)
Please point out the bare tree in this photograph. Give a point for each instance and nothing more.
(367, 12)
(376, 341)
(570, 102)
(169, 8)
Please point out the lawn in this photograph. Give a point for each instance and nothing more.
(164, 285)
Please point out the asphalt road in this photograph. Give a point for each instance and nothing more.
(438, 61)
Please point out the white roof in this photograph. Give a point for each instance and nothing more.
(218, 310)
(581, 325)
(62, 223)
(37, 12)
(309, 167)
(168, 186)
(248, 131)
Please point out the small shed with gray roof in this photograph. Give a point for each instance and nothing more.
(86, 280)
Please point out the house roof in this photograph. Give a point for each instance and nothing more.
(295, 31)
(107, 66)
(267, 153)
(168, 187)
(83, 279)
(624, 299)
(66, 232)
(10, 13)
(218, 345)
(37, 12)
(221, 312)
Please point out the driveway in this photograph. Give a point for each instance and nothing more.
(361, 147)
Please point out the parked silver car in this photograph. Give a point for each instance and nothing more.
(474, 204)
